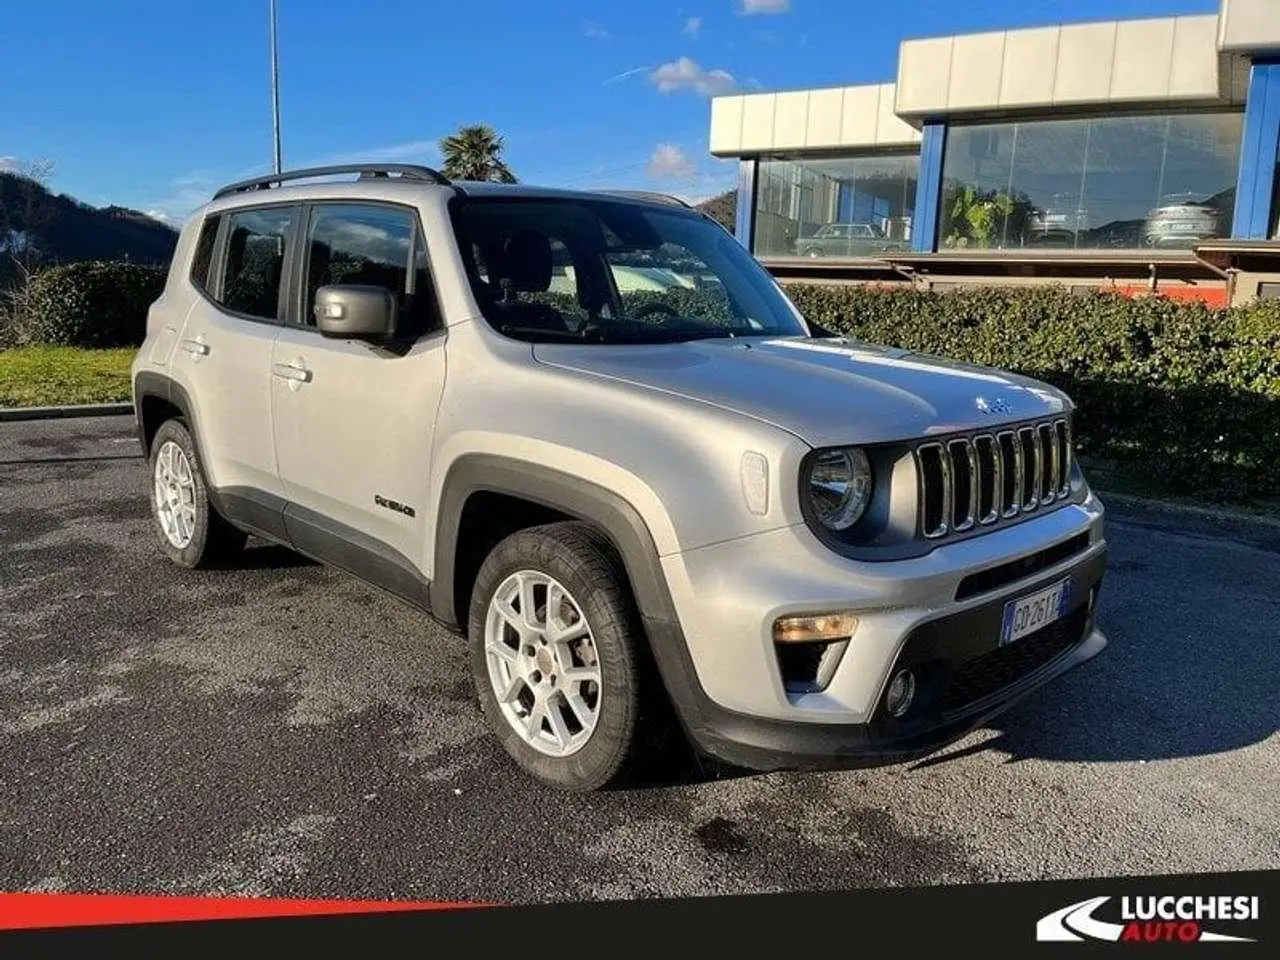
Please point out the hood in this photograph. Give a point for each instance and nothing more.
(826, 392)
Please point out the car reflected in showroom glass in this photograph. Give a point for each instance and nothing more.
(847, 240)
(835, 207)
(1164, 181)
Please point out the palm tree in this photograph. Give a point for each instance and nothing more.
(475, 153)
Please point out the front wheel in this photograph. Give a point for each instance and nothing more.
(556, 655)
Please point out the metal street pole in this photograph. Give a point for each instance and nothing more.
(275, 87)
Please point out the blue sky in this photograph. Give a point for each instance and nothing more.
(153, 103)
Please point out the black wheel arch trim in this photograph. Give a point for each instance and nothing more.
(269, 516)
(713, 729)
(555, 490)
(149, 383)
(625, 527)
(275, 518)
(253, 511)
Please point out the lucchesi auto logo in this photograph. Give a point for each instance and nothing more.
(1161, 919)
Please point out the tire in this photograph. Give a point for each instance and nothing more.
(202, 537)
(585, 565)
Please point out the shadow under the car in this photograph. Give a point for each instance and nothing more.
(1162, 689)
(1145, 698)
(269, 556)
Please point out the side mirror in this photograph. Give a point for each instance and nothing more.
(355, 312)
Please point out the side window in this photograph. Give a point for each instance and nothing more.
(369, 246)
(256, 250)
(202, 258)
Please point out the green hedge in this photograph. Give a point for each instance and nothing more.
(1175, 393)
(687, 304)
(87, 304)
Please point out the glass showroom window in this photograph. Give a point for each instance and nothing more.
(1106, 183)
(847, 207)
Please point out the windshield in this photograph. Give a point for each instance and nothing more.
(607, 271)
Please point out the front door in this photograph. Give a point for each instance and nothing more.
(353, 419)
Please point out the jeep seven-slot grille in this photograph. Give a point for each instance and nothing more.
(985, 478)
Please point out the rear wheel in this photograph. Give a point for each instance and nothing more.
(192, 532)
(556, 655)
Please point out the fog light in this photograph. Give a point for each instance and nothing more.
(829, 626)
(902, 690)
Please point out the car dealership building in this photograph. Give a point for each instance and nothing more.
(1140, 154)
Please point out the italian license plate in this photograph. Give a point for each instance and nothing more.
(1028, 614)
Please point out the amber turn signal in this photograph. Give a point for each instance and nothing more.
(814, 629)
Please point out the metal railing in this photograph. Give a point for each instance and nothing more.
(367, 171)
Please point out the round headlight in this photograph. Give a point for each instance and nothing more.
(839, 487)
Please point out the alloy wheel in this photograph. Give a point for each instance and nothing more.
(175, 495)
(542, 663)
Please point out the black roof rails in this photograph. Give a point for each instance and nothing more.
(367, 171)
(649, 195)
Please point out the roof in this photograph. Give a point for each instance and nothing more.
(474, 188)
(376, 178)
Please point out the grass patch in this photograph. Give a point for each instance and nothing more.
(55, 376)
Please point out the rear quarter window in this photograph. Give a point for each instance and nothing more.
(202, 259)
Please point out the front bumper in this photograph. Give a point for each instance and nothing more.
(951, 653)
(940, 615)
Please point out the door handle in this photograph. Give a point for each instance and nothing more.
(287, 371)
(197, 348)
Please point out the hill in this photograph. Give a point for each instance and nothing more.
(723, 208)
(61, 229)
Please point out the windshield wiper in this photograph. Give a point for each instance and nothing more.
(683, 335)
(594, 334)
(580, 335)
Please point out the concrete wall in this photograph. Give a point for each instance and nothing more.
(1169, 61)
(1249, 26)
(830, 119)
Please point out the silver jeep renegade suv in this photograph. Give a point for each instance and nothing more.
(590, 434)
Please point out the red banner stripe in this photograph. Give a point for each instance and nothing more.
(29, 911)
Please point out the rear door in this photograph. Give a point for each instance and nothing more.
(224, 357)
(353, 420)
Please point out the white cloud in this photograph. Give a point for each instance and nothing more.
(750, 7)
(38, 170)
(370, 239)
(692, 26)
(669, 162)
(595, 31)
(182, 196)
(685, 74)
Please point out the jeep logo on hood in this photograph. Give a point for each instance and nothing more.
(995, 406)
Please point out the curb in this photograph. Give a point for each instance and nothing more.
(56, 413)
(1207, 520)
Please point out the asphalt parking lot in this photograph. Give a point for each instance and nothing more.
(283, 729)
